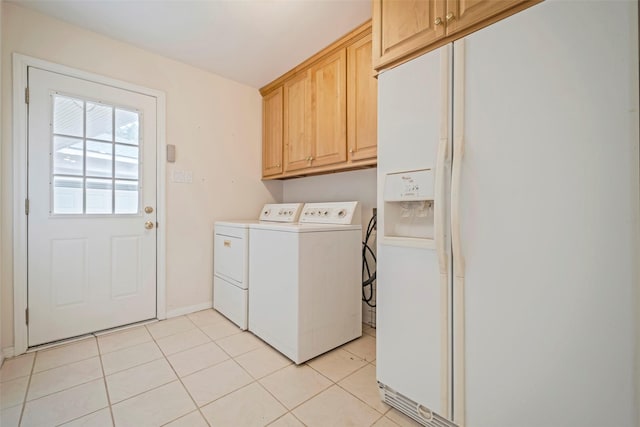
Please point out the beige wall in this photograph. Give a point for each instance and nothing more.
(357, 185)
(215, 124)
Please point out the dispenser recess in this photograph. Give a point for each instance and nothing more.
(408, 208)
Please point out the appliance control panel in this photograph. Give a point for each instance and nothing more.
(346, 213)
(281, 212)
(409, 186)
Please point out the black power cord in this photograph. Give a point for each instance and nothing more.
(368, 277)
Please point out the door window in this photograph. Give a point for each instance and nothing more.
(95, 157)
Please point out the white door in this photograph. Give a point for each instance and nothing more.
(92, 195)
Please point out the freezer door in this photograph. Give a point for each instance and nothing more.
(549, 219)
(413, 287)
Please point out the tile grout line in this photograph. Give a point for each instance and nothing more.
(288, 411)
(284, 415)
(133, 366)
(180, 379)
(347, 391)
(104, 381)
(172, 334)
(216, 364)
(64, 389)
(26, 392)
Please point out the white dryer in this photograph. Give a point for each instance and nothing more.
(305, 279)
(231, 260)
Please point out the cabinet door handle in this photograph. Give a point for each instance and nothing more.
(450, 16)
(351, 151)
(227, 243)
(437, 21)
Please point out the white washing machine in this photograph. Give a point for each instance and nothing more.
(305, 279)
(231, 260)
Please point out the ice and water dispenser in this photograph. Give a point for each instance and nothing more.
(408, 208)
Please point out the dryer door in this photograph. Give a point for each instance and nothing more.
(230, 255)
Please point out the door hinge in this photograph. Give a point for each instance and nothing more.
(26, 95)
(26, 316)
(26, 206)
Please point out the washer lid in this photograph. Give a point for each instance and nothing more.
(236, 223)
(303, 228)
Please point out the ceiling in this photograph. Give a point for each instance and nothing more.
(249, 41)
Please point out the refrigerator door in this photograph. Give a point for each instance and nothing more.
(413, 317)
(549, 219)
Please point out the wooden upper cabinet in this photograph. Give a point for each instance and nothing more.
(404, 26)
(463, 14)
(321, 116)
(404, 29)
(297, 122)
(362, 102)
(272, 136)
(329, 111)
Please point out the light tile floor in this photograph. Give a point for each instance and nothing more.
(194, 370)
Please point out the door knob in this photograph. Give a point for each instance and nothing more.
(148, 209)
(148, 225)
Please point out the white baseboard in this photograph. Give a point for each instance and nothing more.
(190, 309)
(6, 353)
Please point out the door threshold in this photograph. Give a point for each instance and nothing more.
(96, 334)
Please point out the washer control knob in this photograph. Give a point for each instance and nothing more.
(342, 213)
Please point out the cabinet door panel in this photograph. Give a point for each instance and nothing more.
(272, 133)
(466, 13)
(329, 110)
(297, 122)
(362, 102)
(404, 26)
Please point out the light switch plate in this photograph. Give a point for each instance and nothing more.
(171, 153)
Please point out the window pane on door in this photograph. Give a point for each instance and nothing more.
(68, 116)
(99, 159)
(126, 161)
(68, 155)
(126, 197)
(95, 157)
(67, 195)
(99, 196)
(127, 125)
(99, 122)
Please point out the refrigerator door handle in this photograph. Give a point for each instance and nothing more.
(440, 211)
(440, 207)
(458, 152)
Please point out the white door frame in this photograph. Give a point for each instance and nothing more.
(20, 171)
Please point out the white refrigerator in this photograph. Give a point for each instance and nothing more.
(508, 263)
